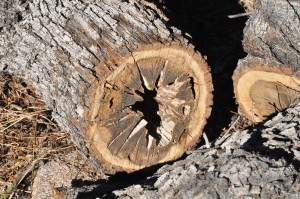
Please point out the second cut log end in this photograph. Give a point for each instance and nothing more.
(265, 89)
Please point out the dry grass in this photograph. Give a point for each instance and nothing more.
(28, 137)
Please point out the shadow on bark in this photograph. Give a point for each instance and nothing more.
(118, 181)
(257, 144)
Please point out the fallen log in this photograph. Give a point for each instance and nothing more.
(267, 81)
(131, 90)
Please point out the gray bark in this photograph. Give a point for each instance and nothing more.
(272, 33)
(56, 46)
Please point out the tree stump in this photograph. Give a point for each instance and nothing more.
(131, 90)
(268, 79)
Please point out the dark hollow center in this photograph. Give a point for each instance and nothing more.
(149, 107)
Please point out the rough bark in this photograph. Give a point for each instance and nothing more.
(261, 162)
(94, 61)
(267, 80)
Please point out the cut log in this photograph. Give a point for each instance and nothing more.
(131, 90)
(268, 79)
(151, 109)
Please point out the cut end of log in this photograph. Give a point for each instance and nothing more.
(151, 109)
(263, 90)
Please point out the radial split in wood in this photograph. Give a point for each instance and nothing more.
(152, 108)
(263, 90)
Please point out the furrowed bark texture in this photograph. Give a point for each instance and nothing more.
(262, 162)
(67, 49)
(272, 32)
(271, 39)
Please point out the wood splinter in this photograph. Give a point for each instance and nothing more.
(154, 108)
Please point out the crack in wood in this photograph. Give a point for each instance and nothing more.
(161, 76)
